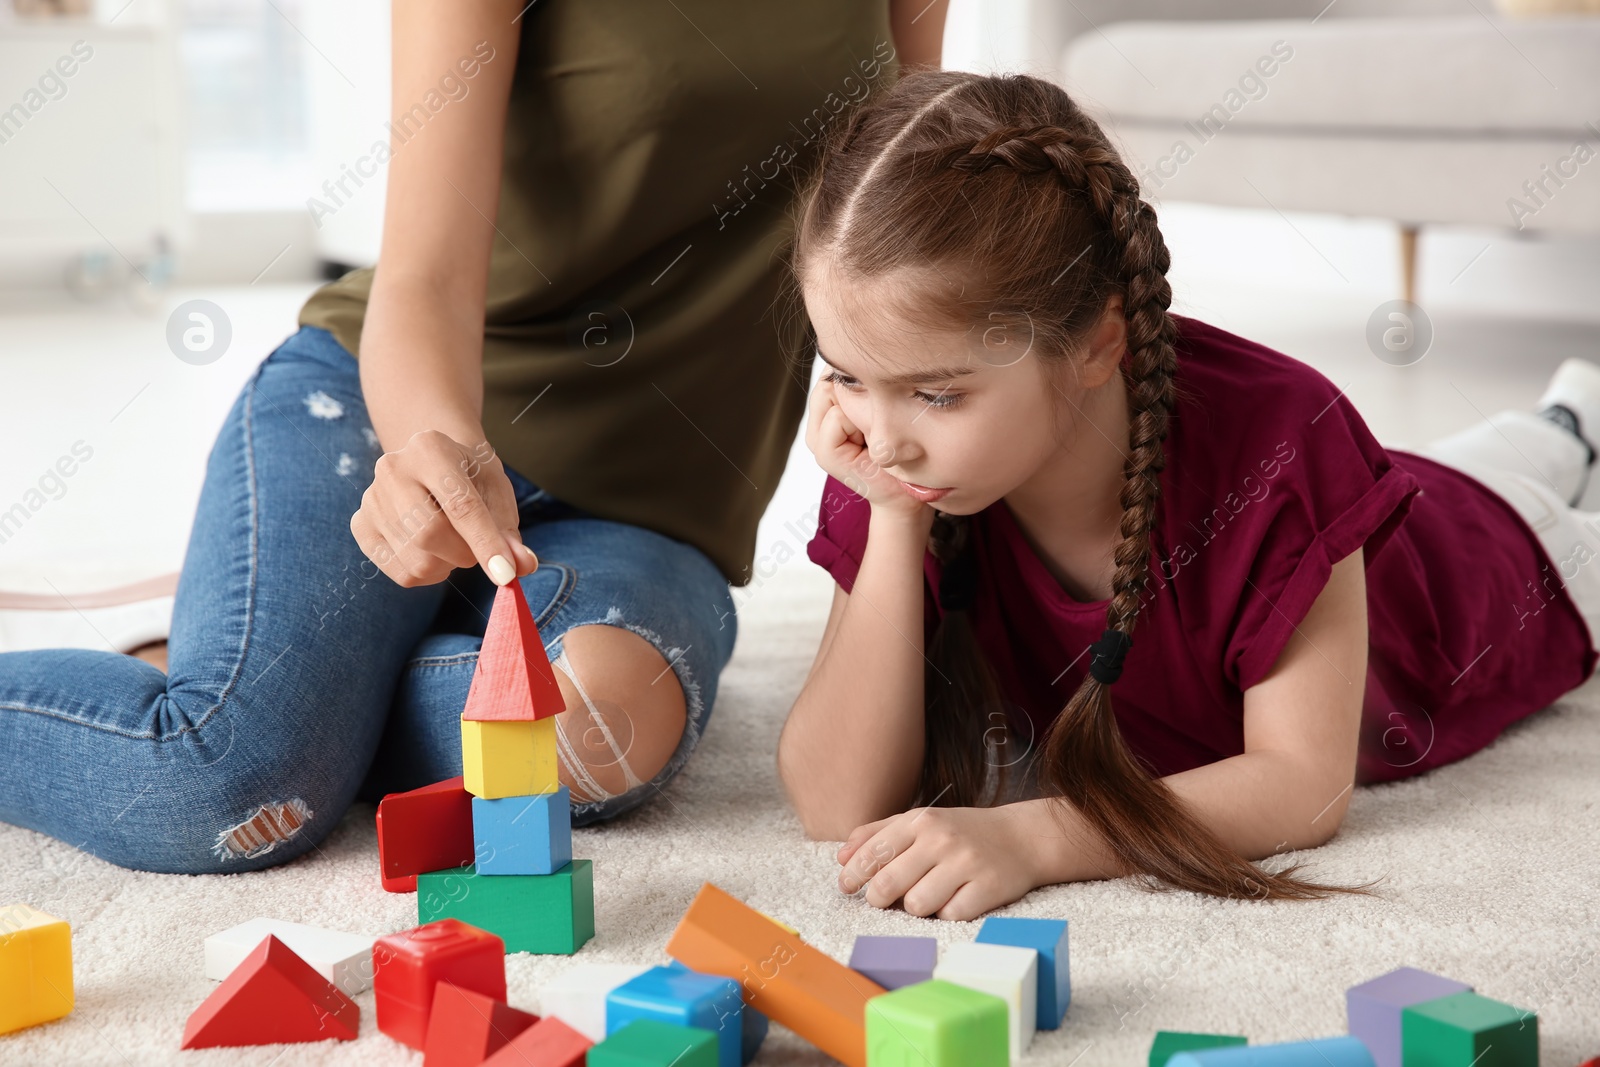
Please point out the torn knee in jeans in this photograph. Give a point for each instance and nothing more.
(265, 829)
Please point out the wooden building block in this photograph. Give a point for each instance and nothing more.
(895, 962)
(465, 1027)
(779, 975)
(551, 914)
(547, 1043)
(578, 997)
(408, 965)
(343, 959)
(1373, 1008)
(1048, 937)
(653, 1043)
(509, 759)
(513, 680)
(272, 997)
(937, 1024)
(753, 1023)
(523, 835)
(1008, 972)
(1323, 1052)
(688, 998)
(423, 830)
(1168, 1043)
(1468, 1030)
(35, 967)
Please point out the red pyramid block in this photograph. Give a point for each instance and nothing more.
(273, 996)
(466, 1027)
(514, 680)
(547, 1043)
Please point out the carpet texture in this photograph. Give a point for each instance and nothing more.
(1492, 865)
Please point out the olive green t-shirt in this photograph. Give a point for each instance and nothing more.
(643, 349)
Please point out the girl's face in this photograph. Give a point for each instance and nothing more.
(974, 413)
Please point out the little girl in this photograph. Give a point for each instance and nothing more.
(1120, 592)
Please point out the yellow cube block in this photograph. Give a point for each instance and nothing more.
(35, 967)
(509, 759)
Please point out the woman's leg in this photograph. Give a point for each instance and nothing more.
(639, 627)
(285, 648)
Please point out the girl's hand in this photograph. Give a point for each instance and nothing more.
(953, 863)
(437, 504)
(841, 451)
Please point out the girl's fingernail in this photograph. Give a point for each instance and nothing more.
(500, 570)
(527, 553)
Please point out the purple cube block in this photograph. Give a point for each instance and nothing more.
(893, 962)
(1374, 1008)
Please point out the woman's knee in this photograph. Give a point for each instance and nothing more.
(626, 711)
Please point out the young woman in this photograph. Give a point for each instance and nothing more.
(1120, 592)
(568, 376)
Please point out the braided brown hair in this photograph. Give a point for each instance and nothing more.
(1003, 201)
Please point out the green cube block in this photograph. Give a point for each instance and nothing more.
(550, 914)
(1468, 1030)
(653, 1043)
(938, 1024)
(1169, 1043)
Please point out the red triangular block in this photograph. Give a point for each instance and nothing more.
(548, 1043)
(466, 1027)
(273, 996)
(514, 680)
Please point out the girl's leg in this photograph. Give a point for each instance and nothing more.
(1540, 465)
(285, 647)
(639, 626)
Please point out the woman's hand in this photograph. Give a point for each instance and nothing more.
(953, 863)
(437, 504)
(841, 451)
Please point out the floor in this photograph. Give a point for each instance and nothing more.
(1490, 863)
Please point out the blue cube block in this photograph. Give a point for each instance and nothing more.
(754, 1030)
(675, 994)
(1049, 938)
(523, 834)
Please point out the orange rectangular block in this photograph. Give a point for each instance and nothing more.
(779, 975)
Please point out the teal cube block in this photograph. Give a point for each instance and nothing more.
(1168, 1043)
(1468, 1030)
(550, 914)
(653, 1043)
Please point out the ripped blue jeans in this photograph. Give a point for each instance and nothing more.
(301, 678)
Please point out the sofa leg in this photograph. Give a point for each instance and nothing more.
(1408, 261)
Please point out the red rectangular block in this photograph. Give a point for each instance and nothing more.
(409, 965)
(427, 829)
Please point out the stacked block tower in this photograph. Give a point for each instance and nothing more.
(524, 884)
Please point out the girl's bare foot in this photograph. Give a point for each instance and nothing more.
(154, 654)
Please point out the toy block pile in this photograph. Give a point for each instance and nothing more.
(493, 848)
(1406, 1018)
(979, 1003)
(35, 967)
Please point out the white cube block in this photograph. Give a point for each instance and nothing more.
(1009, 972)
(343, 959)
(578, 997)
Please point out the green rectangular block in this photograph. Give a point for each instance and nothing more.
(938, 1024)
(1468, 1030)
(550, 914)
(653, 1043)
(1169, 1043)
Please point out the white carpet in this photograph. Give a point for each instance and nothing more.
(1493, 864)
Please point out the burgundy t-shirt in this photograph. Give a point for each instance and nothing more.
(1271, 478)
